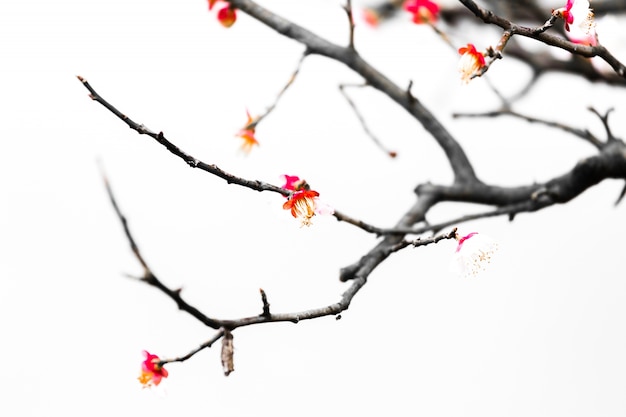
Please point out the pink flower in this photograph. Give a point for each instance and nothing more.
(579, 22)
(473, 253)
(293, 183)
(471, 62)
(303, 202)
(151, 371)
(424, 11)
(226, 15)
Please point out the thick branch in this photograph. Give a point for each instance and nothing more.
(463, 171)
(368, 262)
(609, 163)
(266, 316)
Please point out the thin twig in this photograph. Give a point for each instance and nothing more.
(271, 107)
(190, 160)
(149, 277)
(581, 133)
(348, 9)
(203, 346)
(359, 116)
(423, 241)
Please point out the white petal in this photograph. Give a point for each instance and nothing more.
(474, 256)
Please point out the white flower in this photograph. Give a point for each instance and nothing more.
(579, 23)
(471, 62)
(473, 254)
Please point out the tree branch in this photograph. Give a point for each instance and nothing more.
(459, 163)
(539, 34)
(189, 160)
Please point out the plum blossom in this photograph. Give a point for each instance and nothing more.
(473, 253)
(471, 62)
(303, 202)
(579, 23)
(247, 134)
(424, 11)
(370, 17)
(151, 371)
(226, 14)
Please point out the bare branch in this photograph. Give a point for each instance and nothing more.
(272, 106)
(363, 268)
(459, 163)
(203, 346)
(149, 276)
(368, 132)
(422, 241)
(266, 317)
(348, 9)
(583, 134)
(190, 160)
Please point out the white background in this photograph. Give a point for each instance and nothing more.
(540, 333)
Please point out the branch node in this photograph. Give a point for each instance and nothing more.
(605, 122)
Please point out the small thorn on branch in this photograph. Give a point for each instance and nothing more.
(266, 305)
(410, 95)
(621, 195)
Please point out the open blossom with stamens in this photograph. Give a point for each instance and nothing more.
(247, 134)
(471, 62)
(579, 22)
(151, 372)
(424, 11)
(473, 253)
(303, 202)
